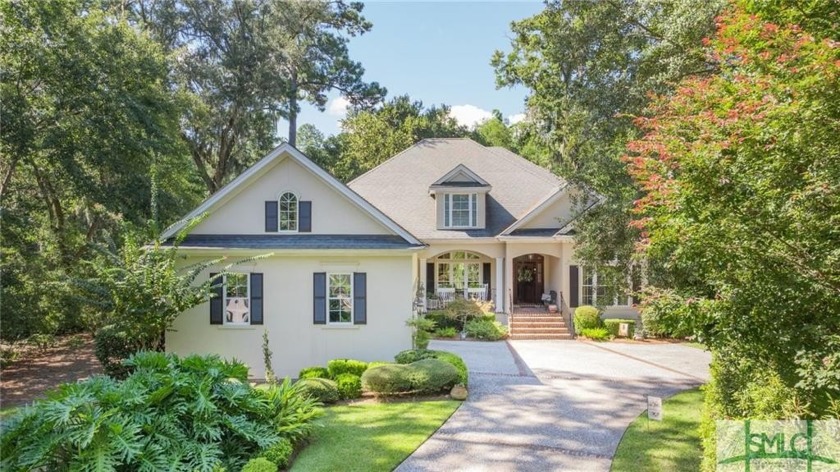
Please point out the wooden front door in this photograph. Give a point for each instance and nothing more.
(528, 279)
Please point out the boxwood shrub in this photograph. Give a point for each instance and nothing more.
(316, 372)
(337, 367)
(279, 454)
(323, 390)
(612, 326)
(414, 355)
(260, 464)
(387, 379)
(432, 375)
(349, 386)
(485, 329)
(586, 317)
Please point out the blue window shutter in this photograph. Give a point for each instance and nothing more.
(473, 210)
(574, 286)
(487, 276)
(359, 298)
(256, 299)
(216, 299)
(430, 277)
(446, 203)
(305, 215)
(319, 291)
(271, 216)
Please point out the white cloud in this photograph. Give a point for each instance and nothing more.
(513, 119)
(338, 107)
(469, 115)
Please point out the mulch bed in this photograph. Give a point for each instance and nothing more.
(36, 371)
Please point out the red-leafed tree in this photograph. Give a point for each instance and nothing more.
(741, 180)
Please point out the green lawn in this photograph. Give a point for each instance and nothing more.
(371, 436)
(667, 445)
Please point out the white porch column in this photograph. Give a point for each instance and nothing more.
(500, 285)
(424, 281)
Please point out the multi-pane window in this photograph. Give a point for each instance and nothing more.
(596, 292)
(340, 298)
(288, 212)
(460, 210)
(455, 270)
(237, 299)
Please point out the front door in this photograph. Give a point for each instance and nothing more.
(528, 279)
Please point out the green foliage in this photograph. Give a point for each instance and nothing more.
(337, 367)
(259, 464)
(423, 328)
(323, 390)
(665, 313)
(432, 375)
(448, 332)
(269, 369)
(386, 379)
(595, 334)
(293, 409)
(279, 454)
(349, 386)
(170, 412)
(586, 317)
(459, 311)
(137, 292)
(316, 372)
(488, 330)
(612, 326)
(414, 355)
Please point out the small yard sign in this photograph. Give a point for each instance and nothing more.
(624, 329)
(654, 408)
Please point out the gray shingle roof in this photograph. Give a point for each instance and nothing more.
(294, 241)
(400, 186)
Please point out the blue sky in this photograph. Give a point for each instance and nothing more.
(437, 52)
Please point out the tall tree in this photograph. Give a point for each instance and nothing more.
(315, 56)
(87, 140)
(370, 136)
(590, 66)
(741, 173)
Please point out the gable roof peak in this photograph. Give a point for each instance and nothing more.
(460, 176)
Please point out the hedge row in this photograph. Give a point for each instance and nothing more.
(414, 355)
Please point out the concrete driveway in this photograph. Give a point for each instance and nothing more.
(552, 405)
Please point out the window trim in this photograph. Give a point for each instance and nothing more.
(225, 321)
(451, 262)
(594, 287)
(350, 297)
(472, 209)
(280, 212)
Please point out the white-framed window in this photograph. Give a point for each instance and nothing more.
(595, 292)
(237, 298)
(340, 298)
(287, 212)
(459, 270)
(460, 210)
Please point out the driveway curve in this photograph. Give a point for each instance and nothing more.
(552, 405)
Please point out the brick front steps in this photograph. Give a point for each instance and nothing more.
(532, 324)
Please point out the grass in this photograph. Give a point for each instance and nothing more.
(7, 412)
(371, 436)
(670, 444)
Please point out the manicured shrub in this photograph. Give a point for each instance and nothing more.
(337, 367)
(449, 332)
(349, 386)
(314, 373)
(387, 379)
(488, 330)
(260, 464)
(586, 317)
(595, 334)
(432, 375)
(378, 363)
(414, 355)
(112, 346)
(279, 454)
(612, 326)
(213, 419)
(323, 390)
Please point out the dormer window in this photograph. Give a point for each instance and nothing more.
(460, 210)
(288, 212)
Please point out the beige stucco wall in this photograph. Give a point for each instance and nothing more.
(555, 215)
(332, 213)
(288, 306)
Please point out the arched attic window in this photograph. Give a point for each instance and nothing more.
(288, 212)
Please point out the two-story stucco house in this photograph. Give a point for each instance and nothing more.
(345, 266)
